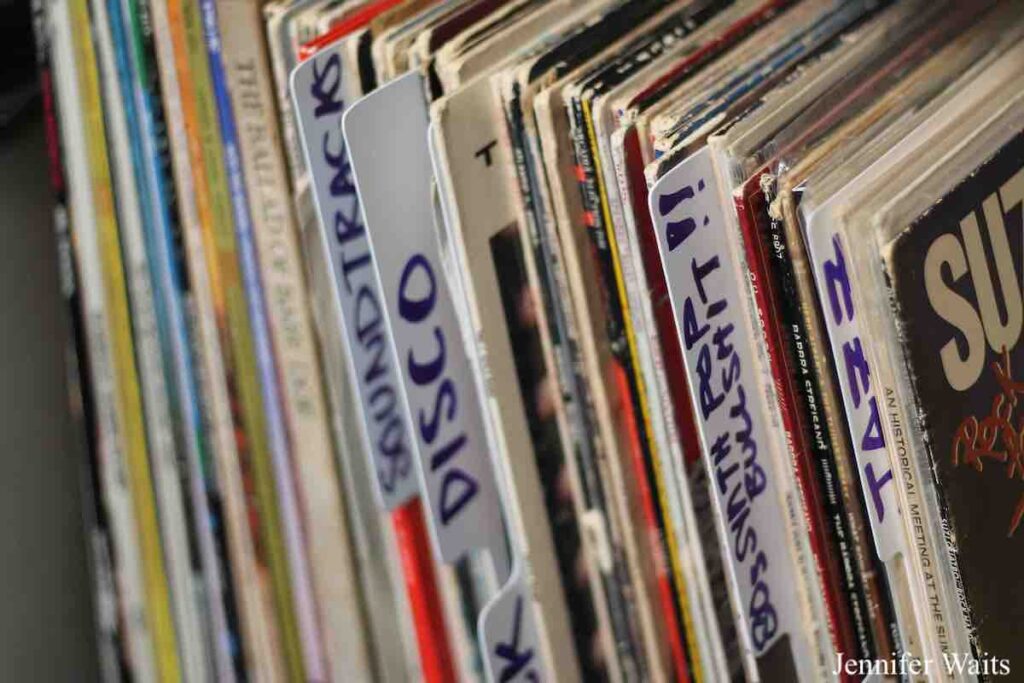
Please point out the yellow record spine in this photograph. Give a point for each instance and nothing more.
(674, 558)
(129, 401)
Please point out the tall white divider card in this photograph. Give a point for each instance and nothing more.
(706, 290)
(321, 91)
(860, 393)
(387, 137)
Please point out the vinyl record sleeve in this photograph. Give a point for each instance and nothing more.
(843, 592)
(113, 499)
(320, 499)
(545, 259)
(961, 337)
(599, 192)
(460, 21)
(521, 85)
(258, 644)
(921, 632)
(222, 262)
(868, 604)
(969, 118)
(139, 229)
(471, 115)
(289, 497)
(153, 642)
(719, 615)
(685, 57)
(504, 324)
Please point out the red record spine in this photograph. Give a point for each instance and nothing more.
(424, 597)
(675, 371)
(629, 419)
(666, 596)
(668, 337)
(747, 206)
(358, 20)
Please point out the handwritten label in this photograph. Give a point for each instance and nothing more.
(833, 277)
(320, 95)
(510, 637)
(706, 290)
(386, 133)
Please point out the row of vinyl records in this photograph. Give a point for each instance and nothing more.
(546, 339)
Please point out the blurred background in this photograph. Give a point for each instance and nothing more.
(46, 616)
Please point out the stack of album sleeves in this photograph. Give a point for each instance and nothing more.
(545, 340)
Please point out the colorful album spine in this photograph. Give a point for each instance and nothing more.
(673, 500)
(638, 220)
(127, 406)
(110, 635)
(206, 150)
(864, 386)
(791, 311)
(666, 454)
(149, 239)
(288, 495)
(893, 429)
(181, 346)
(632, 589)
(332, 570)
(634, 418)
(830, 553)
(700, 627)
(421, 586)
(246, 579)
(116, 500)
(788, 253)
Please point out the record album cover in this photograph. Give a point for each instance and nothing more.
(956, 289)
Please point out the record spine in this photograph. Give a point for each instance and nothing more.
(147, 321)
(871, 427)
(659, 546)
(878, 596)
(948, 624)
(132, 28)
(542, 252)
(758, 509)
(237, 536)
(747, 207)
(668, 335)
(539, 257)
(288, 516)
(834, 472)
(128, 402)
(604, 469)
(267, 234)
(423, 591)
(215, 210)
(114, 485)
(177, 287)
